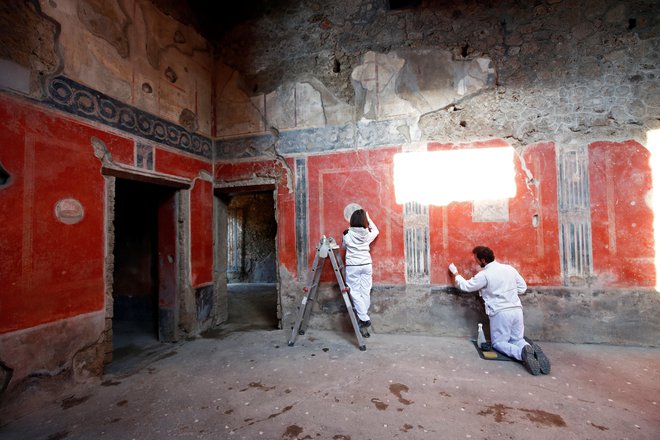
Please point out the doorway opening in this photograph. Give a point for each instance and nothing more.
(144, 273)
(252, 260)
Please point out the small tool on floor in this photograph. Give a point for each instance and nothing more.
(326, 248)
(483, 345)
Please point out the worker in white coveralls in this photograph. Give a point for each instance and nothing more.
(359, 274)
(499, 285)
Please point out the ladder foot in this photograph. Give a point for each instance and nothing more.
(326, 249)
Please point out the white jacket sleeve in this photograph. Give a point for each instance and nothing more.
(373, 233)
(521, 285)
(475, 283)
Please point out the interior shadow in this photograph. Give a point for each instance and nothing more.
(138, 240)
(252, 306)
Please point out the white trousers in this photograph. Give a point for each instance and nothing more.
(507, 331)
(359, 279)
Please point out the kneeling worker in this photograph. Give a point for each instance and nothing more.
(500, 285)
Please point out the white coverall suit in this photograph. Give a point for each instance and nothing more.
(500, 285)
(358, 267)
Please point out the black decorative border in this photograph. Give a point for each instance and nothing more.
(77, 99)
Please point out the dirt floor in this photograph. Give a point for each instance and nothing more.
(244, 382)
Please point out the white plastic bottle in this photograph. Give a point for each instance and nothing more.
(481, 338)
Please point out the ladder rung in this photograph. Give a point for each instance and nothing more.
(327, 248)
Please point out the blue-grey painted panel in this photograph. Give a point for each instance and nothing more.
(377, 133)
(249, 146)
(302, 242)
(313, 140)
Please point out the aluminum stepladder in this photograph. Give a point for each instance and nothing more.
(325, 249)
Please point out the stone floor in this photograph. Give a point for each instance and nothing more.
(243, 381)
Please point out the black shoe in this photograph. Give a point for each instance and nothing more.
(544, 362)
(364, 332)
(364, 323)
(530, 361)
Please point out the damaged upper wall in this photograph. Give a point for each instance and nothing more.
(29, 49)
(388, 87)
(456, 71)
(126, 49)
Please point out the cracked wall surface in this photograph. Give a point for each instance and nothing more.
(315, 100)
(572, 88)
(88, 86)
(127, 49)
(531, 72)
(29, 50)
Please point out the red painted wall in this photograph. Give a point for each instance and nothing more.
(201, 232)
(181, 165)
(201, 209)
(620, 182)
(48, 270)
(534, 251)
(363, 177)
(366, 177)
(122, 149)
(246, 172)
(286, 220)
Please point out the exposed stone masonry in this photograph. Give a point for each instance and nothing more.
(585, 71)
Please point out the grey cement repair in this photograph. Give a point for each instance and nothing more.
(250, 384)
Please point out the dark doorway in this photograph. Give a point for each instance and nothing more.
(144, 273)
(252, 260)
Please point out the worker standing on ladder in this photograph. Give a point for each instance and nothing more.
(359, 274)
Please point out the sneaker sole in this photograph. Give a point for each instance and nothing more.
(544, 362)
(530, 361)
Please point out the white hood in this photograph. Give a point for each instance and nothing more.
(356, 242)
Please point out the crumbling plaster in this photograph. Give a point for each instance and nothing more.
(29, 39)
(127, 49)
(558, 73)
(299, 81)
(75, 347)
(550, 72)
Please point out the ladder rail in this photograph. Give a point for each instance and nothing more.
(307, 303)
(325, 249)
(308, 299)
(312, 297)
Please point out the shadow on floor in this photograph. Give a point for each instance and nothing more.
(250, 307)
